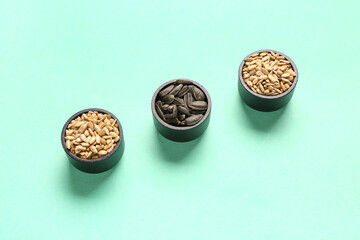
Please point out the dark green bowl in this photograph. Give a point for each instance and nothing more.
(261, 102)
(186, 133)
(97, 165)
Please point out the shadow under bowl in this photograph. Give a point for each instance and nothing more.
(95, 165)
(262, 102)
(181, 133)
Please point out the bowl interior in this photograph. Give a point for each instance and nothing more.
(155, 98)
(263, 96)
(79, 114)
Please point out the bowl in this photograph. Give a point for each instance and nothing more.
(181, 133)
(101, 164)
(261, 102)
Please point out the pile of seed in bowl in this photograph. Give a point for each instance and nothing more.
(181, 103)
(268, 73)
(92, 135)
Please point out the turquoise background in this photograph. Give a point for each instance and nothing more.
(290, 174)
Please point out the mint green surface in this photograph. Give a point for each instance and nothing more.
(291, 174)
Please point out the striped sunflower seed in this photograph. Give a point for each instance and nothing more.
(166, 90)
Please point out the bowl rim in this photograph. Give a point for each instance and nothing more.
(79, 113)
(263, 96)
(202, 88)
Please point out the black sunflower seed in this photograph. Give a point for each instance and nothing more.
(166, 90)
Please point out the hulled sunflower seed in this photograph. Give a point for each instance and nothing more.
(113, 134)
(268, 67)
(285, 75)
(83, 134)
(83, 138)
(82, 128)
(93, 149)
(111, 148)
(97, 128)
(69, 138)
(68, 144)
(91, 132)
(102, 132)
(92, 140)
(97, 139)
(102, 153)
